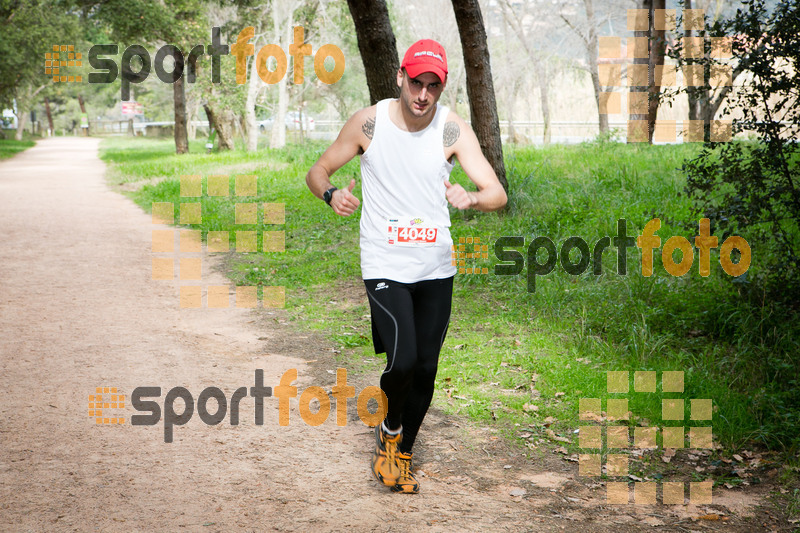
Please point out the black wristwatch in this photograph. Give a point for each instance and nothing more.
(328, 195)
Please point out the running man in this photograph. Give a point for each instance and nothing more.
(407, 147)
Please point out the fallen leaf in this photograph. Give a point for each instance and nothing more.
(552, 435)
(517, 492)
(560, 394)
(529, 408)
(709, 517)
(561, 449)
(738, 457)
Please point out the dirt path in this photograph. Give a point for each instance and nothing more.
(78, 310)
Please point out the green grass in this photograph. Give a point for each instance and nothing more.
(508, 347)
(10, 147)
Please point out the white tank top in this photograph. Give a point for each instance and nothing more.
(405, 224)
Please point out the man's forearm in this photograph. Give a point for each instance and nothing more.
(489, 199)
(318, 180)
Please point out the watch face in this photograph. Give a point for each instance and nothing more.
(328, 195)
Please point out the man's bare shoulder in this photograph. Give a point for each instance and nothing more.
(364, 120)
(358, 130)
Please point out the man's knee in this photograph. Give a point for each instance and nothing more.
(402, 370)
(426, 372)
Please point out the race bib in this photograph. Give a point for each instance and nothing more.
(410, 231)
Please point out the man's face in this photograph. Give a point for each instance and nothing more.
(419, 95)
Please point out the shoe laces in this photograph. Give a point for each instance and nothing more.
(404, 462)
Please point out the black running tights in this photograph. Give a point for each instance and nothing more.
(409, 323)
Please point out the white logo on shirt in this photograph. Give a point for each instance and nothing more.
(381, 285)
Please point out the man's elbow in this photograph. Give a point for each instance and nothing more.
(500, 199)
(503, 198)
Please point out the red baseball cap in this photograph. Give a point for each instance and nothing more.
(425, 55)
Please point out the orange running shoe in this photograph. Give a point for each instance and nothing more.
(406, 482)
(384, 459)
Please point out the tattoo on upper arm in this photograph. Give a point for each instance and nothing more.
(451, 133)
(369, 128)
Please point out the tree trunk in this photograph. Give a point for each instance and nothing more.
(480, 89)
(511, 101)
(179, 98)
(253, 88)
(543, 80)
(592, 49)
(656, 55)
(22, 121)
(223, 123)
(278, 139)
(49, 116)
(191, 127)
(693, 94)
(377, 46)
(83, 111)
(24, 103)
(636, 90)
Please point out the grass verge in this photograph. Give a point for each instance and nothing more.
(11, 147)
(524, 360)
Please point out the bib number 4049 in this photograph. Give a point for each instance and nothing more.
(416, 235)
